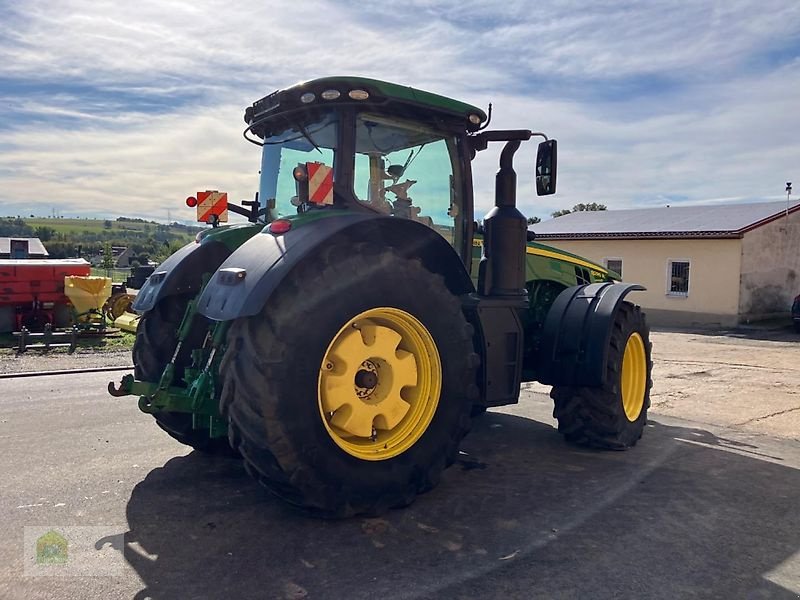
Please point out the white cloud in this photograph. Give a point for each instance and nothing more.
(145, 167)
(652, 103)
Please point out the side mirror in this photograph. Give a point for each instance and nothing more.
(546, 163)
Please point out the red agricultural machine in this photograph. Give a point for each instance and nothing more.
(43, 295)
(32, 292)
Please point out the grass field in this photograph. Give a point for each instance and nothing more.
(119, 340)
(72, 226)
(117, 275)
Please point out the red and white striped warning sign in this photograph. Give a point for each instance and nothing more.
(212, 202)
(320, 183)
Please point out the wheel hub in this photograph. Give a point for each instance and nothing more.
(366, 379)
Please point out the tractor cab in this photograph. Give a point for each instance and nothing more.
(366, 146)
(374, 147)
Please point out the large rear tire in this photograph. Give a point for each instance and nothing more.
(350, 392)
(156, 339)
(612, 416)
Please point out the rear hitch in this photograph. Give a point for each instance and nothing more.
(130, 387)
(124, 389)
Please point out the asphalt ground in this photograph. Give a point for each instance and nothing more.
(694, 511)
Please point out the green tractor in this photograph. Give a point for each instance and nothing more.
(343, 338)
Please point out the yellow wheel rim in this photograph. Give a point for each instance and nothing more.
(379, 384)
(634, 377)
(117, 305)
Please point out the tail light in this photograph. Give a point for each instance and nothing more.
(280, 226)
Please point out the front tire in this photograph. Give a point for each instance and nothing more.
(350, 392)
(612, 416)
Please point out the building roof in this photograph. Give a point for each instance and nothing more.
(43, 262)
(709, 221)
(35, 246)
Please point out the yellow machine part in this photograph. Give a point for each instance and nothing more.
(117, 305)
(87, 293)
(127, 322)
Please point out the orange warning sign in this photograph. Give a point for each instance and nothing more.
(212, 202)
(320, 183)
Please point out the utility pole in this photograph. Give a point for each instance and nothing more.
(788, 194)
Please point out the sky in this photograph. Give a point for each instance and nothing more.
(122, 108)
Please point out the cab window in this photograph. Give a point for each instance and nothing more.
(295, 145)
(406, 171)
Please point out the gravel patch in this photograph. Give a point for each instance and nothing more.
(58, 359)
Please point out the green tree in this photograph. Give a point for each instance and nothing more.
(580, 207)
(534, 220)
(44, 233)
(15, 228)
(108, 258)
(59, 249)
(591, 206)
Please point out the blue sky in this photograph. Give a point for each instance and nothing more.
(111, 108)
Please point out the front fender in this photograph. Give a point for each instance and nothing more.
(576, 334)
(181, 273)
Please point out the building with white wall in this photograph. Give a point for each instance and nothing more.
(702, 265)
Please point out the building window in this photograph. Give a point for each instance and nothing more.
(678, 278)
(614, 264)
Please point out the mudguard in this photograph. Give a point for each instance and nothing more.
(181, 273)
(576, 334)
(244, 282)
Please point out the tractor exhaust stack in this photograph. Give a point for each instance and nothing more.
(502, 267)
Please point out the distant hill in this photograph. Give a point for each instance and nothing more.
(100, 225)
(83, 238)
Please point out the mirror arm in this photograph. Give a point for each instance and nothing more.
(480, 141)
(238, 210)
(251, 213)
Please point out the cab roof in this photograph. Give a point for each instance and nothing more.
(380, 93)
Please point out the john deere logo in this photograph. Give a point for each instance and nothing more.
(51, 549)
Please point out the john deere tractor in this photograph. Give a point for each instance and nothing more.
(343, 337)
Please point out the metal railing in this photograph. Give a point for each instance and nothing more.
(47, 340)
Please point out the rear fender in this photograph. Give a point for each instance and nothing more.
(245, 281)
(576, 333)
(181, 273)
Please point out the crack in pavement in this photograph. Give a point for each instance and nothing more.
(775, 414)
(735, 366)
